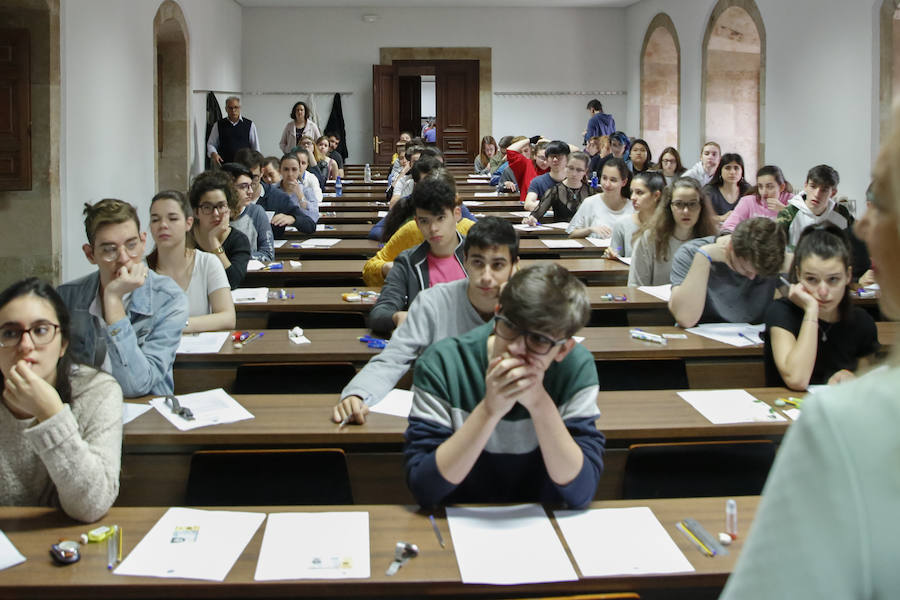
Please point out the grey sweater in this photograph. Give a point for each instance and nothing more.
(436, 313)
(72, 459)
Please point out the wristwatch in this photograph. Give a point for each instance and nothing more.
(220, 250)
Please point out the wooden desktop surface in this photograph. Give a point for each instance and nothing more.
(368, 248)
(361, 231)
(434, 573)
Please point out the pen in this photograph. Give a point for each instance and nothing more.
(111, 543)
(437, 531)
(255, 336)
(784, 281)
(121, 536)
(700, 545)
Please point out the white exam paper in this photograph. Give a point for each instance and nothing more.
(559, 225)
(730, 406)
(520, 213)
(254, 265)
(507, 545)
(254, 295)
(326, 204)
(550, 243)
(599, 242)
(319, 242)
(620, 541)
(280, 243)
(270, 214)
(486, 194)
(213, 407)
(173, 548)
(397, 403)
(625, 259)
(793, 413)
(207, 342)
(734, 334)
(663, 292)
(9, 555)
(296, 264)
(329, 545)
(523, 227)
(131, 411)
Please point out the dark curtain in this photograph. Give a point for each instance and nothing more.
(213, 114)
(336, 123)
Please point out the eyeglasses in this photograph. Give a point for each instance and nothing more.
(535, 342)
(668, 161)
(110, 252)
(42, 333)
(242, 187)
(208, 209)
(255, 178)
(688, 206)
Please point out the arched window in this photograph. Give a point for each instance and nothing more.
(660, 85)
(171, 98)
(733, 91)
(890, 60)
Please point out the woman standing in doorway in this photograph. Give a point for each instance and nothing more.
(299, 125)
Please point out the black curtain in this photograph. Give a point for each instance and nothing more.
(336, 123)
(213, 114)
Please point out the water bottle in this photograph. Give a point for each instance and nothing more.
(368, 174)
(338, 187)
(594, 181)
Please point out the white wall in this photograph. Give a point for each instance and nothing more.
(107, 65)
(819, 82)
(429, 100)
(335, 51)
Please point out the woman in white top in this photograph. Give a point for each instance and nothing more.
(200, 274)
(299, 125)
(646, 190)
(298, 183)
(598, 213)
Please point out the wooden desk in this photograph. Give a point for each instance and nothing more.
(434, 573)
(331, 216)
(370, 202)
(361, 231)
(367, 248)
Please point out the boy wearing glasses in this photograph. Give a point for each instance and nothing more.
(507, 412)
(126, 319)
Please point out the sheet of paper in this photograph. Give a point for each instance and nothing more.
(486, 194)
(245, 295)
(561, 225)
(192, 544)
(507, 545)
(324, 227)
(291, 228)
(397, 403)
(663, 292)
(620, 541)
(131, 411)
(473, 202)
(625, 259)
(599, 242)
(319, 242)
(793, 413)
(270, 214)
(9, 555)
(329, 545)
(207, 342)
(254, 265)
(280, 243)
(295, 264)
(550, 243)
(212, 407)
(478, 179)
(329, 195)
(523, 227)
(520, 213)
(730, 406)
(382, 213)
(326, 204)
(734, 334)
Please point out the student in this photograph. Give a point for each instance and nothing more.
(507, 412)
(684, 214)
(403, 184)
(334, 140)
(250, 218)
(731, 279)
(646, 190)
(326, 164)
(518, 154)
(557, 154)
(566, 197)
(199, 274)
(398, 164)
(438, 259)
(402, 142)
(271, 169)
(491, 253)
(319, 166)
(829, 503)
(816, 335)
(618, 148)
(598, 213)
(60, 424)
(599, 123)
(593, 146)
(640, 158)
(768, 198)
(670, 165)
(727, 186)
(213, 199)
(284, 210)
(487, 151)
(706, 167)
(300, 185)
(300, 125)
(126, 319)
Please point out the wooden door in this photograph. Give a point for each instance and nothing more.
(385, 113)
(457, 109)
(15, 110)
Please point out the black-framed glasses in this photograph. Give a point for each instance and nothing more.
(110, 252)
(208, 209)
(42, 333)
(537, 343)
(688, 206)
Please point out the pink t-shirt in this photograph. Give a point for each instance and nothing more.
(749, 207)
(444, 270)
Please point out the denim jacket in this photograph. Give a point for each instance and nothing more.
(141, 346)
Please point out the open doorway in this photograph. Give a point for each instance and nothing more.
(171, 98)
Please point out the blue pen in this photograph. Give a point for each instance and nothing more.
(255, 337)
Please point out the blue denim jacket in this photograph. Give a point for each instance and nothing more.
(141, 346)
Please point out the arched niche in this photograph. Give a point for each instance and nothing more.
(171, 97)
(890, 61)
(734, 75)
(660, 85)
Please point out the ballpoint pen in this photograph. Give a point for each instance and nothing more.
(437, 531)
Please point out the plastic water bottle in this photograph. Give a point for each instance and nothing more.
(367, 177)
(338, 187)
(594, 181)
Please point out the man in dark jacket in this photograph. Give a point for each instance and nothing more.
(230, 134)
(600, 123)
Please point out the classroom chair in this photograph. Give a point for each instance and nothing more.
(268, 477)
(697, 469)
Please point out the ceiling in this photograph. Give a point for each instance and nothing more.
(375, 4)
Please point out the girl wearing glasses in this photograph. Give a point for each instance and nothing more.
(60, 424)
(684, 214)
(213, 199)
(200, 274)
(564, 198)
(670, 165)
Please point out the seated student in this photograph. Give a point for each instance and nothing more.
(321, 174)
(213, 199)
(727, 186)
(398, 164)
(618, 148)
(438, 259)
(486, 152)
(250, 218)
(705, 168)
(731, 279)
(403, 184)
(566, 197)
(507, 412)
(598, 213)
(490, 257)
(271, 169)
(300, 185)
(326, 164)
(640, 158)
(60, 424)
(334, 140)
(518, 154)
(199, 274)
(501, 177)
(285, 210)
(646, 190)
(768, 198)
(670, 165)
(683, 214)
(593, 146)
(557, 154)
(126, 319)
(816, 335)
(404, 140)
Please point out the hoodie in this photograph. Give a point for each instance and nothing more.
(797, 216)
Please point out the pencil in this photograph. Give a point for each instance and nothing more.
(437, 531)
(121, 537)
(680, 525)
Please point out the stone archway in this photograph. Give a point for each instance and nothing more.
(171, 97)
(889, 52)
(660, 84)
(733, 89)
